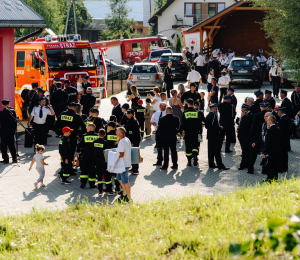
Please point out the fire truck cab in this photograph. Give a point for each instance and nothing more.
(60, 57)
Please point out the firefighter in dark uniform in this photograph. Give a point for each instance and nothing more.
(244, 127)
(193, 94)
(32, 92)
(139, 115)
(230, 91)
(87, 101)
(64, 151)
(191, 124)
(227, 116)
(86, 84)
(295, 99)
(53, 88)
(124, 118)
(133, 134)
(268, 98)
(85, 146)
(259, 99)
(284, 125)
(168, 78)
(74, 121)
(112, 142)
(7, 131)
(100, 145)
(255, 133)
(59, 100)
(214, 139)
(72, 92)
(35, 99)
(286, 103)
(94, 119)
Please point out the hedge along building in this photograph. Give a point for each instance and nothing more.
(236, 27)
(13, 14)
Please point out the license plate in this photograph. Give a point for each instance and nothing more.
(242, 71)
(143, 77)
(172, 68)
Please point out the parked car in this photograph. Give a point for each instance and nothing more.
(156, 53)
(146, 76)
(242, 70)
(180, 64)
(115, 70)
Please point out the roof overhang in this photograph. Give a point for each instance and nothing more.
(21, 25)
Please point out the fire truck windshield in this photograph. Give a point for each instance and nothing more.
(70, 58)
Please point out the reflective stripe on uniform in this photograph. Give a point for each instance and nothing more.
(108, 182)
(130, 132)
(88, 122)
(99, 182)
(90, 138)
(66, 118)
(66, 175)
(60, 142)
(84, 176)
(195, 150)
(98, 145)
(191, 115)
(140, 110)
(92, 179)
(188, 154)
(112, 138)
(142, 131)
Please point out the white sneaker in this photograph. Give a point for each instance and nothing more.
(42, 185)
(36, 185)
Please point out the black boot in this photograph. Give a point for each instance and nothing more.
(189, 161)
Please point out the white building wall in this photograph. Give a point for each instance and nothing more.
(167, 19)
(148, 11)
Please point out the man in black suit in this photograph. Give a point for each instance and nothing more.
(243, 130)
(255, 133)
(86, 83)
(271, 149)
(268, 98)
(87, 101)
(230, 91)
(59, 100)
(168, 78)
(215, 65)
(284, 125)
(53, 88)
(32, 92)
(227, 115)
(214, 139)
(168, 128)
(116, 111)
(295, 98)
(286, 103)
(259, 99)
(250, 102)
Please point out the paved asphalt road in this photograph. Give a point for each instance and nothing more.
(17, 192)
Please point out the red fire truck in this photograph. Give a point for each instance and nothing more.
(43, 59)
(136, 49)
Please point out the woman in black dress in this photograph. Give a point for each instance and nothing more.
(134, 97)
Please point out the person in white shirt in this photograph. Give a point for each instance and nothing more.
(199, 61)
(192, 51)
(124, 148)
(39, 115)
(276, 77)
(250, 55)
(227, 60)
(215, 52)
(194, 77)
(262, 63)
(155, 101)
(223, 85)
(155, 122)
(80, 89)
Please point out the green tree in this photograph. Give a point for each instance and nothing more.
(117, 22)
(54, 13)
(178, 45)
(159, 4)
(282, 24)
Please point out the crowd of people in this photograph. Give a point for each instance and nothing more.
(262, 128)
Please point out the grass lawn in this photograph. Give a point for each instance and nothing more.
(196, 227)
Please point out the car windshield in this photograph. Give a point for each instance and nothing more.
(156, 54)
(171, 58)
(144, 69)
(70, 58)
(242, 63)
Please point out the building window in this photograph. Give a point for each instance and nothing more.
(136, 46)
(139, 30)
(188, 9)
(211, 9)
(21, 59)
(221, 7)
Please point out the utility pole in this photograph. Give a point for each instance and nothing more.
(74, 11)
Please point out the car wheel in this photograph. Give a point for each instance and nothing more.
(122, 75)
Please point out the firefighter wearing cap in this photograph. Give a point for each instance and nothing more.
(72, 92)
(86, 83)
(112, 142)
(190, 94)
(85, 148)
(227, 116)
(191, 124)
(38, 119)
(59, 100)
(140, 116)
(35, 99)
(268, 98)
(124, 118)
(53, 87)
(7, 131)
(65, 154)
(259, 99)
(74, 121)
(230, 91)
(87, 101)
(32, 92)
(133, 134)
(214, 139)
(286, 102)
(94, 119)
